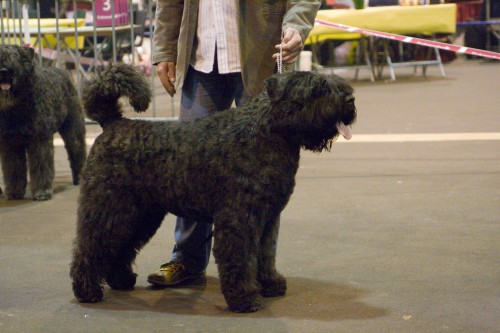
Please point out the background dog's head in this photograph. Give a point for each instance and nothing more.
(16, 70)
(311, 109)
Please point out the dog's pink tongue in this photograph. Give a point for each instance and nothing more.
(5, 86)
(344, 130)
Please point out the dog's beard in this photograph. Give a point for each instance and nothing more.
(7, 101)
(317, 143)
(329, 123)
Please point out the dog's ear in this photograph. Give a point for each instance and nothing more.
(28, 53)
(273, 88)
(31, 53)
(320, 87)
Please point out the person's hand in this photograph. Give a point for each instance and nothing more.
(166, 72)
(292, 45)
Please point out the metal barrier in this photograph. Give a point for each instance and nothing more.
(22, 22)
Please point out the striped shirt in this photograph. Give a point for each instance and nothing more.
(217, 31)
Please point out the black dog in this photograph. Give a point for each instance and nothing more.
(235, 169)
(36, 102)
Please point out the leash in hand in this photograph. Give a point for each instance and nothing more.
(280, 55)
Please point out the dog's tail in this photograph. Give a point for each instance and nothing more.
(101, 92)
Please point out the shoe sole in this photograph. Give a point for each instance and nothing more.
(190, 279)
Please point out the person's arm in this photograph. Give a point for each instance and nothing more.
(297, 23)
(168, 19)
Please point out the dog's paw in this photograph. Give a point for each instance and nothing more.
(42, 195)
(89, 296)
(15, 195)
(238, 301)
(244, 307)
(121, 279)
(94, 299)
(273, 288)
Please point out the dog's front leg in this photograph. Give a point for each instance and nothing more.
(73, 135)
(87, 281)
(235, 252)
(272, 283)
(41, 168)
(13, 160)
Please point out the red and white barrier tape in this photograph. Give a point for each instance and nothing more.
(413, 40)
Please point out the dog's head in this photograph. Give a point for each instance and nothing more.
(311, 109)
(16, 69)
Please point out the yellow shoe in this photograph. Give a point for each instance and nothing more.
(172, 274)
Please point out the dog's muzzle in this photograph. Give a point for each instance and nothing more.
(342, 128)
(5, 79)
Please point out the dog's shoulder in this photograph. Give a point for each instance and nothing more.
(48, 75)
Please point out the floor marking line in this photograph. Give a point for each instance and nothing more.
(423, 137)
(386, 138)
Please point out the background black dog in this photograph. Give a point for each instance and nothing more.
(36, 102)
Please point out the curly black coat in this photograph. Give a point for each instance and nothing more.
(36, 102)
(235, 169)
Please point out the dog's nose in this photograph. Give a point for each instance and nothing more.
(4, 72)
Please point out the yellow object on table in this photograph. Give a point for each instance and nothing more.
(402, 20)
(52, 23)
(47, 29)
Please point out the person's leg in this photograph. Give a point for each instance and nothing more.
(202, 95)
(193, 242)
(239, 94)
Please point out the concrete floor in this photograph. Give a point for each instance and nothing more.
(395, 231)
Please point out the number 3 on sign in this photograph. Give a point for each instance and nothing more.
(106, 6)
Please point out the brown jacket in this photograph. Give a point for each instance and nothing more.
(260, 26)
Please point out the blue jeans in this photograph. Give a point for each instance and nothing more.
(202, 95)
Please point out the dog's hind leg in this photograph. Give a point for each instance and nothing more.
(87, 267)
(102, 251)
(14, 169)
(73, 135)
(41, 168)
(272, 283)
(120, 275)
(86, 276)
(235, 251)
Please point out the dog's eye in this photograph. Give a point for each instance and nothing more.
(349, 99)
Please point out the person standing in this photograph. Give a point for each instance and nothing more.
(219, 52)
